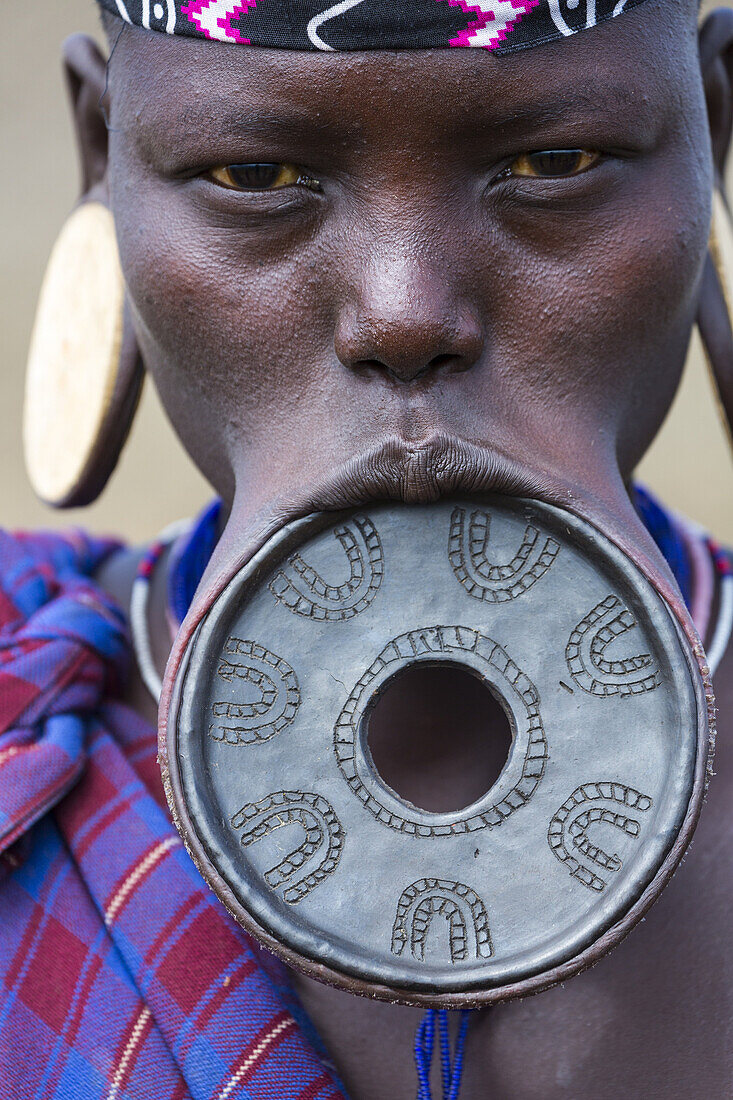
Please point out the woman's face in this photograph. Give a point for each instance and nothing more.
(429, 284)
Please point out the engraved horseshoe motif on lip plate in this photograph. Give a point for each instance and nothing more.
(275, 790)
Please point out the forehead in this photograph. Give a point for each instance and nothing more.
(644, 63)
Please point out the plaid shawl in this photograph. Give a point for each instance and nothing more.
(121, 975)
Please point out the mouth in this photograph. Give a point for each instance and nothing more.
(408, 471)
(424, 472)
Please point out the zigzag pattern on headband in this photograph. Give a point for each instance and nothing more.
(503, 26)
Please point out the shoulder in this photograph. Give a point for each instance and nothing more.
(116, 576)
(116, 573)
(72, 550)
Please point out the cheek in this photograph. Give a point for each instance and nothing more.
(655, 287)
(233, 333)
(596, 330)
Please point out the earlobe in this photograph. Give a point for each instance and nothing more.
(84, 373)
(715, 309)
(715, 305)
(716, 63)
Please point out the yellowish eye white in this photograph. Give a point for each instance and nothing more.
(553, 163)
(260, 177)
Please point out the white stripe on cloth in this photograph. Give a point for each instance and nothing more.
(251, 1058)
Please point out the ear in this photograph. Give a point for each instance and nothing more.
(84, 368)
(716, 63)
(86, 80)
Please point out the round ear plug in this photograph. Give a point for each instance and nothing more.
(84, 373)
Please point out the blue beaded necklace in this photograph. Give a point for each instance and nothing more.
(451, 1067)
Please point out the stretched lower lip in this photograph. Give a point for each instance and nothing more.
(413, 472)
(419, 473)
(409, 471)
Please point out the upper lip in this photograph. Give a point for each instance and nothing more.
(425, 471)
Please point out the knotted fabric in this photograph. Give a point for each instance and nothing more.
(63, 647)
(121, 976)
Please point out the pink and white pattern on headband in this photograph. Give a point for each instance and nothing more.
(214, 18)
(503, 26)
(494, 20)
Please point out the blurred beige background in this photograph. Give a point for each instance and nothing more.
(689, 464)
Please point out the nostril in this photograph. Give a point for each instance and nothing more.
(407, 335)
(410, 372)
(447, 362)
(441, 361)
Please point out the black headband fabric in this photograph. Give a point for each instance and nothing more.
(503, 26)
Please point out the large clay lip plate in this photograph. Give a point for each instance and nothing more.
(564, 950)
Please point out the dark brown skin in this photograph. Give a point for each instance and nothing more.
(447, 329)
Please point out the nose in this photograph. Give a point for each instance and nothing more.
(407, 320)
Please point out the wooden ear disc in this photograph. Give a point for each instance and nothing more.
(84, 374)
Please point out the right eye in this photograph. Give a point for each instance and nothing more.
(260, 177)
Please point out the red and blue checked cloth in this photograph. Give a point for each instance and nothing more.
(121, 975)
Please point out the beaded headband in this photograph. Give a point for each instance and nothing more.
(503, 26)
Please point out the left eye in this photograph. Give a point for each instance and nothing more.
(552, 163)
(260, 177)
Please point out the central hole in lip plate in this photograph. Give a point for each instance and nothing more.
(438, 736)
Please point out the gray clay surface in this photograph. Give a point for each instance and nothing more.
(567, 634)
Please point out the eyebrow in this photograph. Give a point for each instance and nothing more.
(585, 99)
(221, 117)
(291, 122)
(288, 124)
